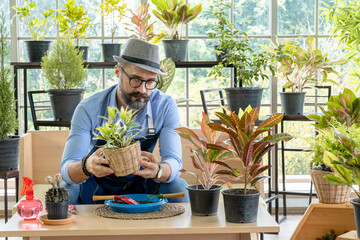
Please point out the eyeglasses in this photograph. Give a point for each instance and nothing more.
(136, 82)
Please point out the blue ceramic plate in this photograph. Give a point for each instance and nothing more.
(154, 205)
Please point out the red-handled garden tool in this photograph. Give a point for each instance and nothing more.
(115, 197)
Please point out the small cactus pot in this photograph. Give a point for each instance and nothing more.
(57, 210)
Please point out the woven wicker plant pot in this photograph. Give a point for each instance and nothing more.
(124, 161)
(326, 192)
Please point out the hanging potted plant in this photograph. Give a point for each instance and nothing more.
(65, 71)
(73, 22)
(9, 146)
(56, 199)
(36, 47)
(112, 7)
(175, 14)
(300, 68)
(249, 146)
(235, 49)
(204, 196)
(119, 133)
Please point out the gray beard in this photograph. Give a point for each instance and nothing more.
(137, 105)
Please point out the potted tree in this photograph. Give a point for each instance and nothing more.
(9, 146)
(174, 14)
(204, 196)
(119, 133)
(300, 68)
(235, 49)
(65, 71)
(73, 23)
(112, 7)
(56, 199)
(249, 146)
(37, 47)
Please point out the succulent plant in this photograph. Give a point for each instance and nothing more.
(57, 193)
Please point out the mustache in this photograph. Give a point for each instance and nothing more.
(138, 95)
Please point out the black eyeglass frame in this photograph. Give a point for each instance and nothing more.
(141, 81)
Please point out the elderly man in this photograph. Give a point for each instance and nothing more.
(84, 168)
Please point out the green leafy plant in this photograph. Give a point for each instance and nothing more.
(142, 29)
(175, 14)
(301, 67)
(204, 159)
(57, 193)
(63, 66)
(116, 133)
(8, 121)
(329, 236)
(73, 21)
(235, 48)
(110, 7)
(248, 143)
(164, 81)
(37, 28)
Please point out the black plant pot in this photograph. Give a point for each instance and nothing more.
(57, 210)
(240, 208)
(85, 50)
(110, 49)
(243, 97)
(9, 153)
(64, 102)
(204, 202)
(292, 103)
(36, 50)
(176, 49)
(222, 56)
(356, 204)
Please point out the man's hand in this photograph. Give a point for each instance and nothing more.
(150, 164)
(93, 164)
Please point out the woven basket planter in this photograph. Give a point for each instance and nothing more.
(124, 161)
(326, 192)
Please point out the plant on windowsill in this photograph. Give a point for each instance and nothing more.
(9, 151)
(175, 14)
(249, 146)
(38, 29)
(204, 196)
(65, 72)
(300, 68)
(120, 146)
(235, 49)
(112, 7)
(56, 199)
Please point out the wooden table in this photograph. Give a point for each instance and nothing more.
(352, 235)
(88, 225)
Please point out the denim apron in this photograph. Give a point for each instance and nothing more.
(113, 185)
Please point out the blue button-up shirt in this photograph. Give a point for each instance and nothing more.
(86, 119)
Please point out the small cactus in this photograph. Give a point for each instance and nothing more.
(56, 193)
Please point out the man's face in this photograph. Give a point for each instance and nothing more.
(130, 77)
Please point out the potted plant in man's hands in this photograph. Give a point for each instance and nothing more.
(121, 149)
(9, 150)
(249, 146)
(56, 199)
(300, 68)
(112, 7)
(175, 14)
(73, 22)
(65, 71)
(204, 196)
(38, 29)
(235, 50)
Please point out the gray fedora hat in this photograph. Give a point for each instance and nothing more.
(141, 54)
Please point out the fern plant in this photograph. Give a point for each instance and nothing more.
(63, 66)
(119, 130)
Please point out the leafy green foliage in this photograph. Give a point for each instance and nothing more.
(204, 158)
(248, 143)
(64, 66)
(8, 121)
(236, 47)
(111, 7)
(119, 130)
(329, 236)
(164, 82)
(73, 21)
(301, 67)
(174, 14)
(37, 28)
(56, 193)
